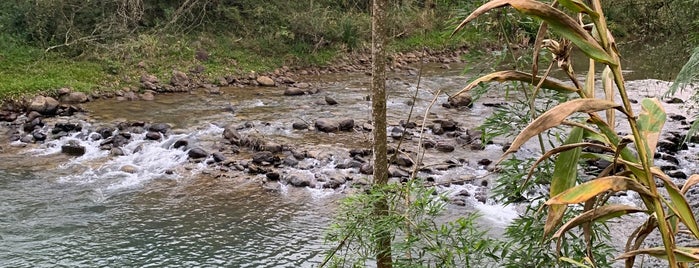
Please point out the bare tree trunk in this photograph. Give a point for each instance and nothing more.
(378, 87)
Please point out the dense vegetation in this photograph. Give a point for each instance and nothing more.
(45, 45)
(87, 45)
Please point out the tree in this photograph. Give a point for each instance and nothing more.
(378, 88)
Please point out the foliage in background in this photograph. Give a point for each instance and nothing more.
(655, 19)
(108, 39)
(628, 171)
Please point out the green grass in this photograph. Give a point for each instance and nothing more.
(26, 70)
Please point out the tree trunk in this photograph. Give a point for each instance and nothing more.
(378, 87)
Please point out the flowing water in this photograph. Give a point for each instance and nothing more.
(89, 211)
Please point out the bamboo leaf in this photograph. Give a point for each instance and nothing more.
(682, 254)
(510, 75)
(565, 173)
(592, 188)
(560, 22)
(650, 123)
(599, 214)
(679, 203)
(589, 87)
(693, 180)
(608, 86)
(567, 147)
(555, 116)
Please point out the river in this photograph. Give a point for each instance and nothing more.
(88, 211)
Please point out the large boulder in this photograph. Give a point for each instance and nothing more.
(265, 81)
(44, 105)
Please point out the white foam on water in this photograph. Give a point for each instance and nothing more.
(143, 160)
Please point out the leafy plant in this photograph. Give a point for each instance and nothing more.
(422, 238)
(633, 154)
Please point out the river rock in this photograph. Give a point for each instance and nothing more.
(458, 101)
(74, 97)
(152, 135)
(299, 181)
(180, 144)
(327, 125)
(299, 125)
(485, 162)
(44, 105)
(73, 148)
(265, 81)
(232, 135)
(179, 79)
(147, 96)
(444, 147)
(197, 153)
(330, 101)
(218, 157)
(150, 82)
(397, 172)
(294, 91)
(367, 169)
(437, 129)
(116, 152)
(403, 161)
(7, 116)
(39, 135)
(272, 176)
(346, 125)
(448, 125)
(159, 127)
(264, 157)
(129, 169)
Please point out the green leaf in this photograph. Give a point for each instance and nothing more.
(679, 203)
(650, 123)
(590, 189)
(555, 116)
(559, 22)
(565, 173)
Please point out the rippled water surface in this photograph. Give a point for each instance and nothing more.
(166, 223)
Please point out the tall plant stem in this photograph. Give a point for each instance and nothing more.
(641, 147)
(378, 88)
(641, 143)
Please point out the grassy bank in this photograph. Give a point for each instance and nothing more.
(266, 37)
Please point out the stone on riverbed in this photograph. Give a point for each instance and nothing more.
(327, 125)
(44, 105)
(294, 91)
(265, 81)
(73, 147)
(197, 153)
